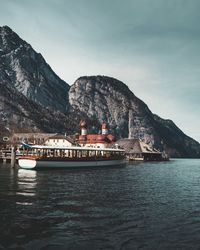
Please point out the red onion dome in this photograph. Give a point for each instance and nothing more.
(83, 124)
(104, 125)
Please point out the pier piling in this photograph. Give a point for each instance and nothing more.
(13, 157)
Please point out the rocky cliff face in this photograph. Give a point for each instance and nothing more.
(32, 96)
(174, 141)
(107, 99)
(28, 72)
(19, 114)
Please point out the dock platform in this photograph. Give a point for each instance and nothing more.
(6, 156)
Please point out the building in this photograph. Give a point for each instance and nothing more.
(30, 138)
(137, 150)
(102, 140)
(60, 141)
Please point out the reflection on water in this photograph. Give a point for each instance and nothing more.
(26, 186)
(141, 206)
(26, 174)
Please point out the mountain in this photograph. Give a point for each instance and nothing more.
(108, 99)
(28, 72)
(18, 113)
(34, 98)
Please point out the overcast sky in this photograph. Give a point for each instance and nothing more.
(153, 46)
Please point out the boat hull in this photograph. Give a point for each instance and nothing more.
(45, 164)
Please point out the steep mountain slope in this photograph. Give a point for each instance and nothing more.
(107, 99)
(28, 72)
(175, 142)
(32, 96)
(17, 113)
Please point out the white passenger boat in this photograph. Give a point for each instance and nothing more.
(43, 157)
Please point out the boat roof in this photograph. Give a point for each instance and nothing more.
(76, 148)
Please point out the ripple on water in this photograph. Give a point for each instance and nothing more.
(141, 206)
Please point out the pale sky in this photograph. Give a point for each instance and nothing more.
(153, 46)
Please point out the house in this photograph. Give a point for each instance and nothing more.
(137, 150)
(60, 141)
(29, 138)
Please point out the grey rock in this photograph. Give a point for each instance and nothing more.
(107, 99)
(29, 73)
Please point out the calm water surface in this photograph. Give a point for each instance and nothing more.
(140, 206)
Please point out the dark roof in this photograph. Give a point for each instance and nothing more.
(71, 138)
(129, 145)
(135, 146)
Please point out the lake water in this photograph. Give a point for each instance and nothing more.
(140, 206)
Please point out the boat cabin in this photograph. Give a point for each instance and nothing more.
(72, 153)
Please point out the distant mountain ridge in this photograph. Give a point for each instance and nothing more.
(19, 114)
(29, 73)
(34, 98)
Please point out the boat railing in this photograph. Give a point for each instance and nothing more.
(73, 154)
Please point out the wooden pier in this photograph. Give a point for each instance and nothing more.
(8, 156)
